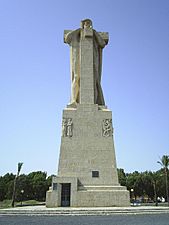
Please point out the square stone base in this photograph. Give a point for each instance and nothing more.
(86, 196)
(87, 172)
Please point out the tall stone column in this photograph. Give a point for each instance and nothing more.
(86, 66)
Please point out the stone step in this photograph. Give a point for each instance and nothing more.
(95, 211)
(101, 188)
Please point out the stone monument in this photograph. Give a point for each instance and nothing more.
(87, 172)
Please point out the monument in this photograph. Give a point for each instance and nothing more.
(87, 173)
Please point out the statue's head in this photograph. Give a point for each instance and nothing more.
(87, 23)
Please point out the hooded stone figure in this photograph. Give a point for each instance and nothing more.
(73, 38)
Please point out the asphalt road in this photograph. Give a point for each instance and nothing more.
(150, 219)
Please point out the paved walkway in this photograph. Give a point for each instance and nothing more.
(42, 210)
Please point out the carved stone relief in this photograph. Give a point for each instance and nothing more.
(67, 127)
(107, 128)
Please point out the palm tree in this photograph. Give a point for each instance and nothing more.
(14, 187)
(164, 162)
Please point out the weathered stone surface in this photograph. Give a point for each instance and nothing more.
(86, 151)
(87, 172)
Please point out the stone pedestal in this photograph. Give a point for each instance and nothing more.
(87, 163)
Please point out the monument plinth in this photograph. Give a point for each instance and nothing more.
(87, 172)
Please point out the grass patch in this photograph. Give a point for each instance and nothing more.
(5, 204)
(29, 203)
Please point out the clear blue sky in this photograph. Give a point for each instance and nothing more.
(35, 79)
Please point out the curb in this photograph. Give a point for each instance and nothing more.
(83, 211)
